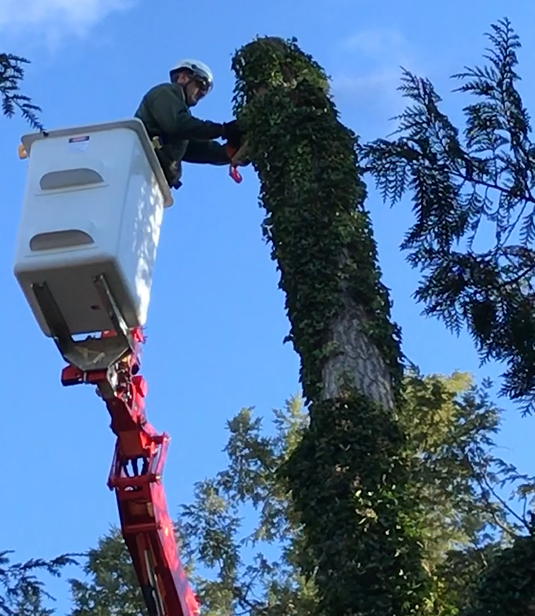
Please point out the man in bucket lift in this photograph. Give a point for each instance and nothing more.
(178, 136)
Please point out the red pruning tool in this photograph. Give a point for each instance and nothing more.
(233, 171)
(235, 174)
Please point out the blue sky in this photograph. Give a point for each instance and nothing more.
(216, 320)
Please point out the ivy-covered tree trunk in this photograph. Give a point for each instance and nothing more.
(349, 477)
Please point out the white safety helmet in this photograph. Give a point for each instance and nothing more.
(199, 69)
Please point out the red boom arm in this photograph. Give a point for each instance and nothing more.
(136, 477)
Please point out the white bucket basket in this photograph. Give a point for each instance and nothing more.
(93, 207)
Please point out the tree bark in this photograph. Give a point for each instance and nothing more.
(357, 360)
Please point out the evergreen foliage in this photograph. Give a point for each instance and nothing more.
(11, 98)
(472, 191)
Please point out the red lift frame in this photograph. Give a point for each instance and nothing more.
(136, 477)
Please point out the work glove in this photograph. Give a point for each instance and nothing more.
(232, 134)
(232, 151)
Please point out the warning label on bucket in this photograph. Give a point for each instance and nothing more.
(78, 143)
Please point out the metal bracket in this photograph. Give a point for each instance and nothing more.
(92, 353)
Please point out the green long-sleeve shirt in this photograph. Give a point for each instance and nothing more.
(165, 114)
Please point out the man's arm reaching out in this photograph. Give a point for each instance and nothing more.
(207, 152)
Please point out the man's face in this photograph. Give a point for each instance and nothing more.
(194, 92)
(194, 88)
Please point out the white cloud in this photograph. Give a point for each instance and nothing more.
(369, 68)
(381, 83)
(53, 18)
(376, 42)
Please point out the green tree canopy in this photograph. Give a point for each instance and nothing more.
(244, 542)
(472, 194)
(472, 190)
(111, 588)
(22, 588)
